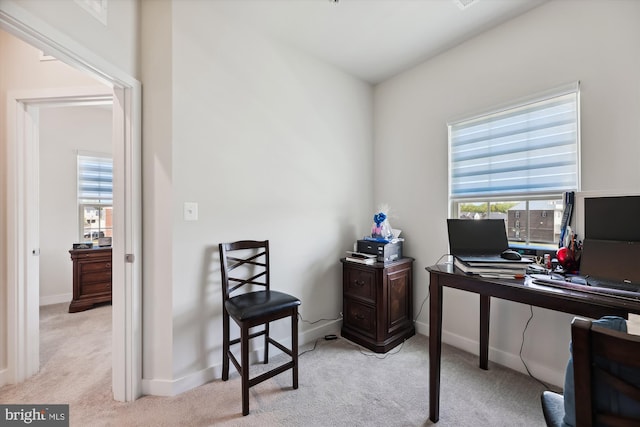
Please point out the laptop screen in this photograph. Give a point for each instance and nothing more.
(477, 236)
(611, 260)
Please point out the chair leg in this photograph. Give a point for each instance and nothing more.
(294, 346)
(225, 346)
(244, 349)
(266, 343)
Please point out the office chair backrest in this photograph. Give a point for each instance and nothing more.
(607, 375)
(245, 262)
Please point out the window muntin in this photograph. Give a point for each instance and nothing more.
(97, 221)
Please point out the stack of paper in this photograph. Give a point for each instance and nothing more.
(361, 258)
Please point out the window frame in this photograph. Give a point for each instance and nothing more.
(97, 203)
(455, 202)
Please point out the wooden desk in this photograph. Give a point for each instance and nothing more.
(522, 291)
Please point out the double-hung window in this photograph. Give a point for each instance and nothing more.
(515, 163)
(95, 196)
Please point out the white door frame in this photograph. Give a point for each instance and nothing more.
(22, 300)
(23, 110)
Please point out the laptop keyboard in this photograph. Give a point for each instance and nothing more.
(589, 288)
(603, 283)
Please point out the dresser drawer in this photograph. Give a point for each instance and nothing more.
(87, 267)
(94, 289)
(361, 317)
(95, 277)
(360, 284)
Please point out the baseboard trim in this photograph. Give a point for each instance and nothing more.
(509, 360)
(55, 299)
(4, 377)
(169, 388)
(422, 328)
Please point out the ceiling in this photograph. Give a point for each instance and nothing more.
(373, 39)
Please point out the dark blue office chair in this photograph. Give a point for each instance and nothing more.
(603, 378)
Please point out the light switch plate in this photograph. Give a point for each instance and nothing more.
(190, 211)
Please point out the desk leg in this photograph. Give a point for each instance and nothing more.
(485, 302)
(435, 346)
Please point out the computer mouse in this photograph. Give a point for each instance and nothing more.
(510, 254)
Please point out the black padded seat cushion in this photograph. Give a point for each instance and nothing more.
(260, 303)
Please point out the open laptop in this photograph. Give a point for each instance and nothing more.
(479, 241)
(611, 264)
(607, 267)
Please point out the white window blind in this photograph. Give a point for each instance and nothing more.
(95, 180)
(524, 150)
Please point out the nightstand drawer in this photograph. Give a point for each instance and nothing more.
(360, 284)
(360, 317)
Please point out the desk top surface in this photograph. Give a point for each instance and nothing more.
(529, 292)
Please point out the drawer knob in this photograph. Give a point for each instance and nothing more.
(359, 317)
(108, 265)
(358, 283)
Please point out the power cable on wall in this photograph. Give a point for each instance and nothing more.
(522, 346)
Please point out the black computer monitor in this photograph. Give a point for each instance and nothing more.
(612, 218)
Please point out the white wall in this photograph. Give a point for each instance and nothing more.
(63, 132)
(269, 143)
(156, 68)
(596, 42)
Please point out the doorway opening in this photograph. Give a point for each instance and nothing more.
(21, 248)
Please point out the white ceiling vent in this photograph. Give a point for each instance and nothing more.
(464, 4)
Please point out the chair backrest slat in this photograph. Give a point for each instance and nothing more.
(253, 255)
(241, 261)
(247, 281)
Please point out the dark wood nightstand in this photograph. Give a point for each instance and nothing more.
(378, 303)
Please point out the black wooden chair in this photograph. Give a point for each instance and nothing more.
(243, 263)
(606, 371)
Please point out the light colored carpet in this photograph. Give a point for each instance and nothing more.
(340, 384)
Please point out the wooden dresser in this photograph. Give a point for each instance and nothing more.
(91, 278)
(378, 303)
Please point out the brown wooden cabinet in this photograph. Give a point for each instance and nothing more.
(91, 278)
(378, 303)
